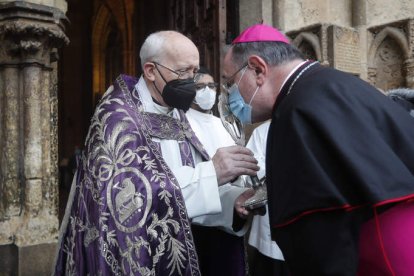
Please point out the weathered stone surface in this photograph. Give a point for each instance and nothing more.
(344, 49)
(8, 260)
(249, 17)
(9, 144)
(30, 35)
(367, 38)
(295, 14)
(383, 11)
(390, 54)
(312, 41)
(58, 4)
(27, 260)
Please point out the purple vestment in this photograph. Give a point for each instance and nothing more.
(126, 214)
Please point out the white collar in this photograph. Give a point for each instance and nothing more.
(147, 101)
(291, 73)
(200, 115)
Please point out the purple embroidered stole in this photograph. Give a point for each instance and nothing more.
(127, 215)
(165, 127)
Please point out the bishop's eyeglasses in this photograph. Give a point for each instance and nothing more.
(228, 82)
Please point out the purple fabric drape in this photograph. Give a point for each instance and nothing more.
(128, 215)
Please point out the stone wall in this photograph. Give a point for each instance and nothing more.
(30, 35)
(367, 38)
(295, 14)
(61, 5)
(369, 12)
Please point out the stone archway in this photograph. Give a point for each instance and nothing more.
(309, 45)
(386, 59)
(112, 43)
(312, 41)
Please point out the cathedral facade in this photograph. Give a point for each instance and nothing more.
(58, 57)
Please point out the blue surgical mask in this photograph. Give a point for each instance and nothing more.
(238, 106)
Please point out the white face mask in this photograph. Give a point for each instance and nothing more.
(205, 98)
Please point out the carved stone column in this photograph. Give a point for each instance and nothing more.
(409, 63)
(29, 35)
(409, 73)
(372, 75)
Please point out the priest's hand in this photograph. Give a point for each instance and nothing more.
(231, 162)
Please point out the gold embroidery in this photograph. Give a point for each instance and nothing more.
(125, 208)
(127, 200)
(112, 165)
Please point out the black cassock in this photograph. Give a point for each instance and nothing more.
(336, 148)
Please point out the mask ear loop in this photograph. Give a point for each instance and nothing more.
(201, 90)
(254, 94)
(244, 71)
(257, 89)
(156, 88)
(159, 72)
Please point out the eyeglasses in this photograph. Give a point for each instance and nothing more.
(228, 82)
(182, 73)
(211, 85)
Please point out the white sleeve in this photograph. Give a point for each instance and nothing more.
(198, 185)
(200, 189)
(224, 220)
(257, 144)
(260, 237)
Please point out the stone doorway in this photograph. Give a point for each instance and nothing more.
(105, 40)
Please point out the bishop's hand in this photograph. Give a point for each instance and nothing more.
(242, 211)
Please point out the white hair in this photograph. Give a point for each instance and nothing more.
(152, 48)
(404, 97)
(405, 93)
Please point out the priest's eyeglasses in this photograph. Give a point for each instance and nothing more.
(228, 82)
(181, 73)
